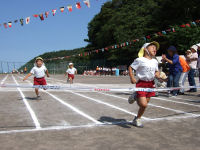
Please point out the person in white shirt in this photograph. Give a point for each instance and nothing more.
(39, 71)
(193, 65)
(146, 68)
(71, 71)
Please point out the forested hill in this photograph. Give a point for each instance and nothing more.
(123, 20)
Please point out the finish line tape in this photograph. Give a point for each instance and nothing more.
(92, 89)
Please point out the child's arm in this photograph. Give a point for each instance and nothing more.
(65, 74)
(47, 73)
(166, 59)
(132, 77)
(28, 75)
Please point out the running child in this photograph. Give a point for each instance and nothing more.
(71, 71)
(39, 71)
(146, 68)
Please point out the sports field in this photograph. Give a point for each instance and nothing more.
(78, 120)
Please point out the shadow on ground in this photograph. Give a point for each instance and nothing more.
(119, 122)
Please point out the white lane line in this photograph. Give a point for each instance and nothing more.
(4, 79)
(60, 128)
(183, 99)
(166, 108)
(162, 99)
(72, 107)
(32, 113)
(107, 104)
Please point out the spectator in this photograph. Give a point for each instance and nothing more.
(198, 62)
(193, 65)
(175, 69)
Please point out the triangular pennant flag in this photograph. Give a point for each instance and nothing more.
(148, 36)
(78, 5)
(46, 14)
(69, 8)
(36, 15)
(127, 43)
(41, 17)
(87, 2)
(5, 25)
(160, 34)
(173, 30)
(182, 26)
(188, 25)
(62, 9)
(164, 32)
(22, 22)
(193, 23)
(10, 24)
(15, 21)
(27, 20)
(168, 30)
(53, 12)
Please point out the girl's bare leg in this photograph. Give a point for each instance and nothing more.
(37, 91)
(142, 103)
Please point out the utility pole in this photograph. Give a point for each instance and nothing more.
(2, 67)
(8, 67)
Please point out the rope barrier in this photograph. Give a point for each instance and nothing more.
(92, 89)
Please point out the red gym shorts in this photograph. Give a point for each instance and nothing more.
(71, 76)
(145, 84)
(40, 81)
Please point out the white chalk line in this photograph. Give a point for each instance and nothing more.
(4, 79)
(32, 113)
(71, 107)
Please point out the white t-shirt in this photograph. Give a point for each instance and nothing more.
(193, 63)
(39, 72)
(145, 68)
(71, 71)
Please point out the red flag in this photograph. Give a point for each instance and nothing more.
(10, 24)
(46, 14)
(148, 37)
(188, 25)
(62, 9)
(69, 8)
(160, 34)
(36, 15)
(173, 30)
(54, 12)
(78, 5)
(182, 26)
(87, 2)
(27, 20)
(41, 17)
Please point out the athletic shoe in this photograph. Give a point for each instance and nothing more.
(181, 93)
(137, 122)
(132, 98)
(38, 97)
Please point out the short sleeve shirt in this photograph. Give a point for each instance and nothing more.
(71, 71)
(176, 66)
(145, 68)
(39, 72)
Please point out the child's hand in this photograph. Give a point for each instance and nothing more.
(48, 76)
(133, 81)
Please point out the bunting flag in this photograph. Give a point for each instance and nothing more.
(22, 22)
(36, 15)
(27, 20)
(62, 9)
(87, 2)
(10, 24)
(16, 21)
(5, 25)
(53, 12)
(41, 17)
(69, 7)
(46, 14)
(78, 5)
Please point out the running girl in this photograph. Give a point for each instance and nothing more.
(71, 71)
(146, 68)
(39, 71)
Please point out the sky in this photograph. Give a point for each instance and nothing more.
(65, 30)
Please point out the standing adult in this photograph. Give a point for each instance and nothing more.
(198, 61)
(193, 66)
(175, 69)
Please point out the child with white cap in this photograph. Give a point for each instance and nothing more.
(146, 68)
(193, 66)
(71, 71)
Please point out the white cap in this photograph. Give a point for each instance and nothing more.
(198, 44)
(194, 47)
(70, 64)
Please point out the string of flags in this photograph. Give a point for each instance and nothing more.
(44, 15)
(128, 43)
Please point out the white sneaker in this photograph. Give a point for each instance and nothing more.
(132, 98)
(137, 122)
